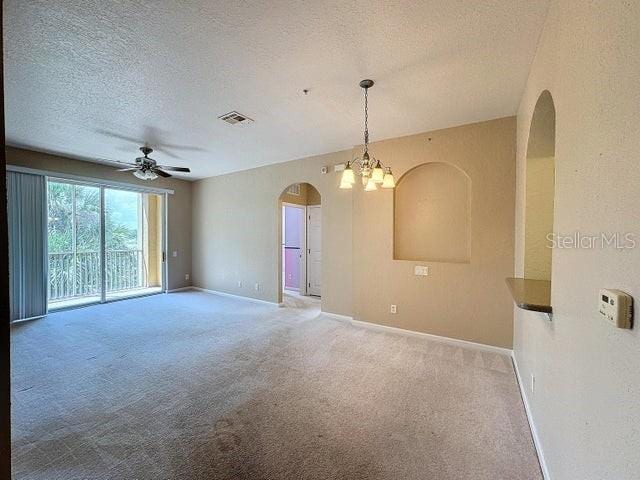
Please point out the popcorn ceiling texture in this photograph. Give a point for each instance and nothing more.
(163, 71)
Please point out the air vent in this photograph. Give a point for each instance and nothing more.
(294, 189)
(234, 117)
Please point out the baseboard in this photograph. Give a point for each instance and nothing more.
(231, 295)
(28, 319)
(181, 289)
(436, 338)
(336, 316)
(532, 426)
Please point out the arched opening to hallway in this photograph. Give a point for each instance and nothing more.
(299, 245)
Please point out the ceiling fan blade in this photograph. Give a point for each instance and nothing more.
(162, 173)
(175, 169)
(110, 133)
(130, 169)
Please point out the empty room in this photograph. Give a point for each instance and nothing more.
(320, 240)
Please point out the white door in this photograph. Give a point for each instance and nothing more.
(314, 256)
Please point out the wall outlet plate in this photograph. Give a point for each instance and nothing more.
(393, 309)
(421, 270)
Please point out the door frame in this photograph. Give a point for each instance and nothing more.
(303, 246)
(306, 223)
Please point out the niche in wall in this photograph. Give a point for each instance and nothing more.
(540, 190)
(432, 208)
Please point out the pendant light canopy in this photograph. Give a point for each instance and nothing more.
(372, 171)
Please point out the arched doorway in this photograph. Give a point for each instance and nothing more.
(299, 246)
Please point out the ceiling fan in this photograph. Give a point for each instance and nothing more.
(146, 168)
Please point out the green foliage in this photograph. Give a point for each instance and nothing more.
(118, 235)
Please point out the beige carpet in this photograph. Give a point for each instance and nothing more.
(196, 386)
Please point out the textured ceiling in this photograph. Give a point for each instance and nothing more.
(80, 75)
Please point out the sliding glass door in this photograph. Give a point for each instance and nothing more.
(74, 244)
(104, 243)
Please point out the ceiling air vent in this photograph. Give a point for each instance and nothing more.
(294, 189)
(234, 117)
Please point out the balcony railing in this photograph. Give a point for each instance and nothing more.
(78, 274)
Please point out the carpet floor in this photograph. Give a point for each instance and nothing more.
(192, 385)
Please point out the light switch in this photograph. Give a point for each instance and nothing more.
(616, 307)
(421, 270)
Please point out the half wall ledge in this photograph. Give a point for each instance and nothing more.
(534, 295)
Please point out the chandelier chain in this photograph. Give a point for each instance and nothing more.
(366, 120)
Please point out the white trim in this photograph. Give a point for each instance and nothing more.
(28, 319)
(165, 242)
(91, 180)
(308, 250)
(337, 316)
(181, 289)
(231, 295)
(534, 432)
(437, 338)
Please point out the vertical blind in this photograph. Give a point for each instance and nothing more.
(27, 215)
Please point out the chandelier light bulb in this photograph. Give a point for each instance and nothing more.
(378, 174)
(371, 186)
(348, 176)
(388, 181)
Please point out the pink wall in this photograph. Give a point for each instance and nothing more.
(292, 244)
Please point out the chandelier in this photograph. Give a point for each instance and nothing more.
(372, 171)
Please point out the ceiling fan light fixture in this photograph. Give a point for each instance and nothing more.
(145, 174)
(146, 168)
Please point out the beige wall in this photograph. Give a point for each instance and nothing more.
(236, 236)
(313, 196)
(468, 301)
(587, 372)
(179, 208)
(539, 193)
(152, 211)
(308, 196)
(432, 208)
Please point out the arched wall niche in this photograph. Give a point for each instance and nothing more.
(432, 214)
(540, 189)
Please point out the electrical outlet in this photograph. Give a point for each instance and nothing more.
(239, 283)
(186, 276)
(257, 286)
(533, 383)
(393, 309)
(175, 253)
